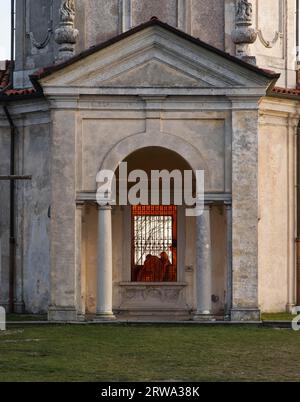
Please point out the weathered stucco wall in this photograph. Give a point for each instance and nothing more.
(208, 136)
(100, 20)
(275, 47)
(32, 201)
(210, 20)
(201, 18)
(4, 212)
(245, 212)
(35, 213)
(277, 175)
(99, 136)
(143, 10)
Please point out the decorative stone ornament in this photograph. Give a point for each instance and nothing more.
(244, 35)
(66, 35)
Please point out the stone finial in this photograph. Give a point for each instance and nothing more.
(244, 11)
(66, 35)
(244, 35)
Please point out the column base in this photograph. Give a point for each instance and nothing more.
(63, 314)
(245, 314)
(203, 316)
(289, 307)
(100, 317)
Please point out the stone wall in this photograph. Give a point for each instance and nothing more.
(200, 18)
(277, 204)
(100, 20)
(35, 212)
(4, 211)
(32, 206)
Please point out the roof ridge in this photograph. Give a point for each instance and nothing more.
(43, 72)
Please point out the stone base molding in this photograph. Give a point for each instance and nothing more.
(245, 314)
(203, 317)
(159, 314)
(104, 317)
(63, 314)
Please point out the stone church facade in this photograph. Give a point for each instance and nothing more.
(177, 84)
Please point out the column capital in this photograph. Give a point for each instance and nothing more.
(242, 102)
(208, 205)
(228, 204)
(104, 207)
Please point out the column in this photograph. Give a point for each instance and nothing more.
(293, 261)
(245, 210)
(63, 215)
(104, 274)
(80, 275)
(204, 266)
(228, 260)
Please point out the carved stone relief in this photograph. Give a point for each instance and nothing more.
(39, 43)
(269, 41)
(66, 35)
(244, 35)
(151, 295)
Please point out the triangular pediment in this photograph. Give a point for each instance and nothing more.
(153, 73)
(153, 56)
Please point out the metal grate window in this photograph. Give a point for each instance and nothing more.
(154, 247)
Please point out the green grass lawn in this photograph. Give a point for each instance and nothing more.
(143, 353)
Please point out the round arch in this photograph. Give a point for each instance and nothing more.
(136, 142)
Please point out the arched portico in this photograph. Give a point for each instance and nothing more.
(194, 285)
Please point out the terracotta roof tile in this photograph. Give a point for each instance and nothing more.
(4, 83)
(286, 91)
(4, 74)
(25, 91)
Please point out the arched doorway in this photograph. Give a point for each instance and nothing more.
(156, 230)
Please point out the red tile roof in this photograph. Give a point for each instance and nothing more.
(5, 90)
(25, 91)
(286, 91)
(11, 93)
(4, 75)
